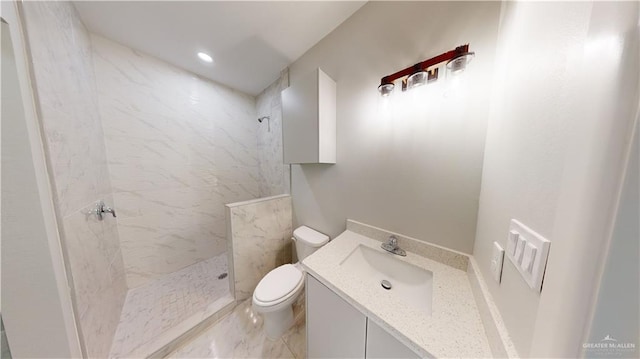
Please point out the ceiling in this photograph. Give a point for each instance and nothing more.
(250, 42)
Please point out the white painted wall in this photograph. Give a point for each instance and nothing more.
(565, 95)
(411, 164)
(618, 306)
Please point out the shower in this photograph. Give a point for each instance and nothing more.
(268, 118)
(166, 158)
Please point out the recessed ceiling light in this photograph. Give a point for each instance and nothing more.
(205, 57)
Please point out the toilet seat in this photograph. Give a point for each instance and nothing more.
(279, 285)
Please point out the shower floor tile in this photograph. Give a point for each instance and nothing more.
(156, 307)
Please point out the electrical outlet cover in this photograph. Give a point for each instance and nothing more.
(497, 259)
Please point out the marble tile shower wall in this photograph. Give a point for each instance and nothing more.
(259, 240)
(274, 174)
(66, 89)
(179, 147)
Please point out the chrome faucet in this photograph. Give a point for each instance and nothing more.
(391, 245)
(103, 208)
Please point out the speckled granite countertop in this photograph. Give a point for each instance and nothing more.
(454, 328)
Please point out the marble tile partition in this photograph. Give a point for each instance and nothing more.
(65, 89)
(179, 147)
(259, 234)
(274, 176)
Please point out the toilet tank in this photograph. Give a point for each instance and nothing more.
(307, 241)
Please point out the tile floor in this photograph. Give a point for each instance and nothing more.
(152, 309)
(240, 335)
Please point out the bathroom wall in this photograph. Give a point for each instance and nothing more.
(179, 147)
(68, 106)
(259, 240)
(32, 307)
(410, 163)
(274, 176)
(620, 284)
(562, 107)
(6, 351)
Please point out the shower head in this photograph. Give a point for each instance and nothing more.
(263, 118)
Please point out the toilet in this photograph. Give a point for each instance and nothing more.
(278, 290)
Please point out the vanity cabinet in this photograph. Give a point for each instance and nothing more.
(335, 329)
(381, 344)
(338, 330)
(309, 120)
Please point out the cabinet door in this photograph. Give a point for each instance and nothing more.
(309, 119)
(335, 329)
(381, 344)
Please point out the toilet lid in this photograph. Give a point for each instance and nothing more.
(310, 236)
(278, 283)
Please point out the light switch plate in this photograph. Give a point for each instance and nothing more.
(512, 242)
(531, 244)
(522, 242)
(497, 259)
(528, 257)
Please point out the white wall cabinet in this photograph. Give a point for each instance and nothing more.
(309, 120)
(335, 329)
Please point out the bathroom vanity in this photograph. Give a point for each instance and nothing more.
(429, 311)
(336, 329)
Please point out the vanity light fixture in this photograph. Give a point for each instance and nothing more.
(205, 57)
(427, 70)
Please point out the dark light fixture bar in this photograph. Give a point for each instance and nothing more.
(419, 74)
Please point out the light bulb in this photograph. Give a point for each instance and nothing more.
(205, 57)
(458, 64)
(386, 89)
(417, 79)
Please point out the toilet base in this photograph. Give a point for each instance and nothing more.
(278, 322)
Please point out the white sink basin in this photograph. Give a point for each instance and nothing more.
(410, 284)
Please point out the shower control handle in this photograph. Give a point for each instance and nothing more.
(102, 208)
